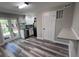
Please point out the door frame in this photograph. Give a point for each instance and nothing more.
(11, 31)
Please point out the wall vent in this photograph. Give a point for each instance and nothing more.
(68, 5)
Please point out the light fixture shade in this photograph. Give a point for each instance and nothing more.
(22, 6)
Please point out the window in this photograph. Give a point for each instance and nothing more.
(59, 14)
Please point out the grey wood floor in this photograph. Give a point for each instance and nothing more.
(33, 47)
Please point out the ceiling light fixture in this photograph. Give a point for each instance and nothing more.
(25, 4)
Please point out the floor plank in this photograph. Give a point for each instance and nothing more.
(33, 47)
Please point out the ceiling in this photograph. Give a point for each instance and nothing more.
(34, 7)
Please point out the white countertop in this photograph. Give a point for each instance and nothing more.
(67, 34)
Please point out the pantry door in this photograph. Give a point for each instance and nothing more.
(48, 25)
(45, 26)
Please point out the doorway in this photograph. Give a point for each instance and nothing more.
(9, 28)
(15, 29)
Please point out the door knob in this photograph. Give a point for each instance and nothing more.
(43, 28)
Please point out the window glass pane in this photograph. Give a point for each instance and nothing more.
(15, 28)
(5, 28)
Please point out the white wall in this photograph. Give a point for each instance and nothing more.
(68, 17)
(75, 24)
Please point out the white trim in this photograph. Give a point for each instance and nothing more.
(75, 33)
(55, 41)
(39, 38)
(61, 42)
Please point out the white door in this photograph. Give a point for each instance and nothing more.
(48, 25)
(52, 25)
(45, 26)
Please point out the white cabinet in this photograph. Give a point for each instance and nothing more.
(30, 31)
(22, 34)
(48, 25)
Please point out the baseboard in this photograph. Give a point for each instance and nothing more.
(60, 42)
(54, 41)
(39, 38)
